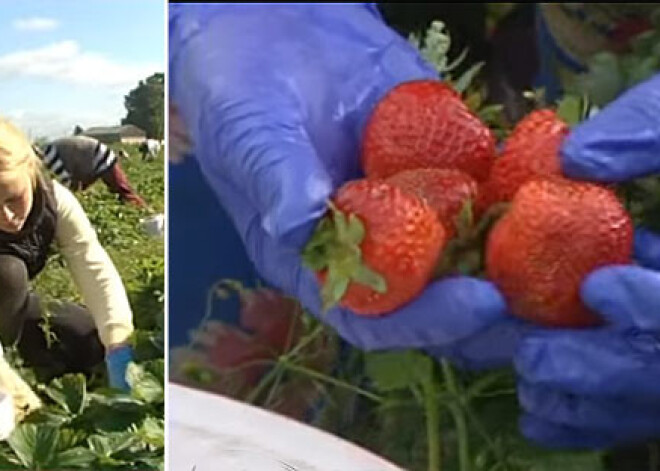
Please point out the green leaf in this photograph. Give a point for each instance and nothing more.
(145, 386)
(643, 43)
(48, 416)
(355, 230)
(70, 438)
(538, 459)
(152, 432)
(114, 415)
(464, 81)
(456, 62)
(642, 69)
(370, 278)
(473, 100)
(314, 254)
(570, 109)
(603, 82)
(334, 288)
(342, 226)
(105, 446)
(491, 113)
(74, 458)
(8, 461)
(35, 445)
(70, 392)
(398, 370)
(156, 368)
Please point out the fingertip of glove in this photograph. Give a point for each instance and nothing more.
(579, 160)
(542, 432)
(647, 248)
(470, 292)
(606, 290)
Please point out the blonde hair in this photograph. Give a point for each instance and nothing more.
(16, 152)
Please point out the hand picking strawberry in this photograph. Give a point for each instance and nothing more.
(274, 157)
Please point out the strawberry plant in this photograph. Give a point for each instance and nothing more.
(84, 424)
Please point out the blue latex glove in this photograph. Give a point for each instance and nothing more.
(117, 361)
(275, 98)
(601, 387)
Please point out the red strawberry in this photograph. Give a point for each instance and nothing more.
(446, 191)
(274, 318)
(378, 249)
(424, 123)
(556, 232)
(532, 149)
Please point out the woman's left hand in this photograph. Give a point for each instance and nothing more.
(117, 359)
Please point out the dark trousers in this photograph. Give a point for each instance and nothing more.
(76, 347)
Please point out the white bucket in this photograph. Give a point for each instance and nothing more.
(154, 226)
(209, 432)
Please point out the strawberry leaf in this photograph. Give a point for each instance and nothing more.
(456, 62)
(341, 225)
(462, 83)
(70, 392)
(473, 100)
(314, 254)
(366, 276)
(354, 230)
(398, 370)
(570, 109)
(334, 288)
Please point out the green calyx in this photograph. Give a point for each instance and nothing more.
(463, 254)
(335, 247)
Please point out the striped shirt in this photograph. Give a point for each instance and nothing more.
(77, 161)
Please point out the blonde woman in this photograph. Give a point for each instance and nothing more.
(35, 214)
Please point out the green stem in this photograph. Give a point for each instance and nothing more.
(273, 389)
(432, 424)
(333, 381)
(481, 430)
(459, 417)
(302, 343)
(265, 381)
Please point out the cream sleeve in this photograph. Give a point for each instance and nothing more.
(92, 269)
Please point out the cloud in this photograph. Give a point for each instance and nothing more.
(53, 124)
(66, 61)
(36, 24)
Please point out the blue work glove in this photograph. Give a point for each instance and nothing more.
(117, 361)
(601, 387)
(275, 98)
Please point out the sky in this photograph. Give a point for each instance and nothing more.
(71, 62)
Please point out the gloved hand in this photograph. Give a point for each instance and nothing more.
(117, 360)
(275, 98)
(599, 387)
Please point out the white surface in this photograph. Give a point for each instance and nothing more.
(209, 432)
(7, 419)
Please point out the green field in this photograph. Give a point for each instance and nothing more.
(84, 424)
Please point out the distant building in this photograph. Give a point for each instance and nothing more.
(125, 134)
